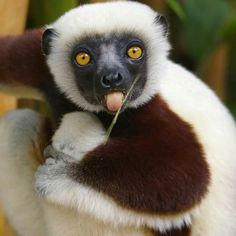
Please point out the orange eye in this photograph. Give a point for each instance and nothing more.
(83, 58)
(135, 52)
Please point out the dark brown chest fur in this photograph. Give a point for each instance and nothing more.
(152, 164)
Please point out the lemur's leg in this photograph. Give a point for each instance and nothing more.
(23, 135)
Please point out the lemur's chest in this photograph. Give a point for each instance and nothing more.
(153, 164)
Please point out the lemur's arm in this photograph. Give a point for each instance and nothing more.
(153, 175)
(22, 61)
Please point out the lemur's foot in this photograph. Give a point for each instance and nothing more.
(52, 175)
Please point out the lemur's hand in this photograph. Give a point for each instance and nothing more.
(79, 133)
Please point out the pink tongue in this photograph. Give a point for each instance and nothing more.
(114, 101)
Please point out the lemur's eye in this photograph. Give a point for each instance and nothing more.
(83, 58)
(135, 52)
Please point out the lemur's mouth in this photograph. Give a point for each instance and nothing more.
(113, 100)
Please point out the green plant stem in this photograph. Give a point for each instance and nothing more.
(177, 8)
(109, 130)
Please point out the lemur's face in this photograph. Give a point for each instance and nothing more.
(97, 51)
(105, 67)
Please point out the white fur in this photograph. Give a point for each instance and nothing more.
(65, 221)
(19, 140)
(78, 129)
(102, 19)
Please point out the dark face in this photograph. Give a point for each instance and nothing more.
(103, 65)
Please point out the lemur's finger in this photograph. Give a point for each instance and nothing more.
(52, 155)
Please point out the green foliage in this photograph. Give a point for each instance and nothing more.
(232, 109)
(228, 31)
(206, 25)
(176, 7)
(46, 11)
(203, 25)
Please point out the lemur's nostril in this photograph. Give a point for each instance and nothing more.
(106, 81)
(118, 79)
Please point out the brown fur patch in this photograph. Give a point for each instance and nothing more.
(22, 60)
(153, 162)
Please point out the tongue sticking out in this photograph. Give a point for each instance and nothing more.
(114, 101)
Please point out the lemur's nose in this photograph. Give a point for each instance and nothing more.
(111, 80)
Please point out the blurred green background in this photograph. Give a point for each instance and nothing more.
(202, 33)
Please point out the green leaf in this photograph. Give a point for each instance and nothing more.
(177, 8)
(201, 29)
(228, 30)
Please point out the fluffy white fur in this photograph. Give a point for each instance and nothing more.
(65, 221)
(91, 134)
(105, 18)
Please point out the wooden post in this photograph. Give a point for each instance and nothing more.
(8, 102)
(13, 16)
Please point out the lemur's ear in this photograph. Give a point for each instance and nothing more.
(47, 37)
(161, 20)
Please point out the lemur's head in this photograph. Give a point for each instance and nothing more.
(97, 51)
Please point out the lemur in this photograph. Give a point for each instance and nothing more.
(168, 167)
